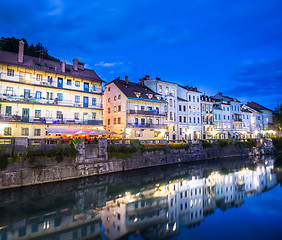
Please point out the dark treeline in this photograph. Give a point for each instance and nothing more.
(38, 50)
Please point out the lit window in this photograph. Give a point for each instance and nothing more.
(60, 96)
(119, 96)
(10, 72)
(77, 83)
(7, 131)
(39, 77)
(94, 101)
(37, 113)
(76, 116)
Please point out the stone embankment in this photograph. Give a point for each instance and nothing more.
(93, 160)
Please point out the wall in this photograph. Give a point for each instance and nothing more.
(93, 160)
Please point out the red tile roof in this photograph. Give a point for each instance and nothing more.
(47, 65)
(129, 89)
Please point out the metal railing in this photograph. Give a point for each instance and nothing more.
(146, 112)
(43, 120)
(146, 125)
(43, 101)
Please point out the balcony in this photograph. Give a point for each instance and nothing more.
(43, 101)
(146, 112)
(55, 121)
(146, 125)
(237, 120)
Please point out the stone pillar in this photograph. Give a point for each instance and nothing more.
(21, 144)
(80, 158)
(102, 142)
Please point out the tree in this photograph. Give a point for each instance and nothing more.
(12, 45)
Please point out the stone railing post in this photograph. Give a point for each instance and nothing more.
(80, 147)
(102, 144)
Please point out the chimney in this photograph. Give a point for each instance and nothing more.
(141, 81)
(80, 65)
(158, 78)
(63, 66)
(75, 64)
(21, 52)
(126, 79)
(220, 93)
(147, 77)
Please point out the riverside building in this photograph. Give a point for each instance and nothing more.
(134, 110)
(41, 97)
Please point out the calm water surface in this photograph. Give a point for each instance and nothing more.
(227, 199)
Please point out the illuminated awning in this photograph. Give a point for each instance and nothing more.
(77, 131)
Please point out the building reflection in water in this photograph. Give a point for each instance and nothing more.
(156, 212)
(159, 212)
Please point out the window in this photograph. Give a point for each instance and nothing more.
(227, 108)
(60, 96)
(173, 91)
(77, 99)
(93, 116)
(194, 120)
(119, 96)
(180, 119)
(179, 107)
(115, 121)
(115, 108)
(38, 94)
(189, 108)
(109, 89)
(7, 131)
(10, 72)
(160, 89)
(184, 108)
(59, 115)
(109, 110)
(94, 101)
(119, 108)
(9, 90)
(119, 120)
(38, 113)
(166, 90)
(76, 116)
(198, 100)
(193, 98)
(198, 120)
(190, 120)
(184, 119)
(180, 130)
(68, 82)
(189, 97)
(37, 132)
(115, 98)
(77, 83)
(39, 77)
(25, 131)
(8, 111)
(109, 100)
(109, 121)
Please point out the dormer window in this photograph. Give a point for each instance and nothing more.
(150, 96)
(158, 97)
(138, 94)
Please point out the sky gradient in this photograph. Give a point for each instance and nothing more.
(233, 47)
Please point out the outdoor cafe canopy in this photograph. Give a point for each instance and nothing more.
(77, 131)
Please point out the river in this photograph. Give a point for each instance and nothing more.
(223, 199)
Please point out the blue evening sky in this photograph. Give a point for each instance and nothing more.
(234, 47)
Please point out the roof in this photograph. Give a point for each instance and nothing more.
(47, 65)
(257, 106)
(193, 89)
(181, 99)
(129, 89)
(245, 110)
(225, 98)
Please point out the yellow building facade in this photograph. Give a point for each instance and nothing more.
(134, 110)
(37, 94)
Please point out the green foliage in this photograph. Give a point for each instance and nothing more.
(152, 147)
(4, 159)
(12, 45)
(135, 142)
(222, 142)
(206, 144)
(120, 151)
(179, 146)
(73, 142)
(277, 142)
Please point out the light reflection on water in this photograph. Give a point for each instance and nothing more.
(167, 202)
